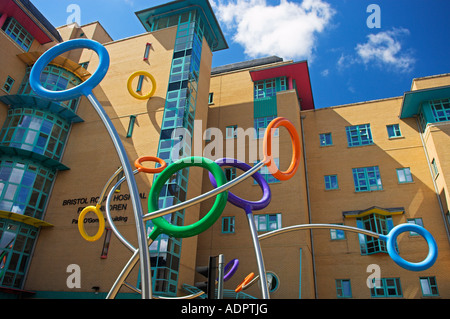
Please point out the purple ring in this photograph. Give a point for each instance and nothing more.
(247, 205)
(233, 264)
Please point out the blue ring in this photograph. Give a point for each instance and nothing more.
(84, 88)
(391, 240)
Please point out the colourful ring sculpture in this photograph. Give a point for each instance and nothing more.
(101, 223)
(133, 93)
(156, 170)
(267, 148)
(230, 269)
(245, 282)
(161, 224)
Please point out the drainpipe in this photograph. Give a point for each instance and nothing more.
(302, 117)
(434, 180)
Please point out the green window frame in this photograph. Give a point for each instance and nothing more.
(429, 286)
(435, 168)
(359, 135)
(343, 288)
(325, 139)
(331, 182)
(211, 98)
(53, 78)
(36, 131)
(337, 234)
(377, 223)
(24, 187)
(269, 87)
(8, 84)
(261, 124)
(264, 171)
(267, 222)
(16, 244)
(228, 225)
(230, 173)
(18, 33)
(387, 288)
(440, 109)
(367, 179)
(393, 130)
(404, 175)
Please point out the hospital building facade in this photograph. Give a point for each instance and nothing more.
(371, 165)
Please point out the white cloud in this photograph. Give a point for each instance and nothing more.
(384, 48)
(288, 30)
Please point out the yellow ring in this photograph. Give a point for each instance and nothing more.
(101, 226)
(133, 93)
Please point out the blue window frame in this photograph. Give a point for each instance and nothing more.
(331, 182)
(367, 179)
(230, 173)
(228, 225)
(416, 221)
(393, 130)
(441, 110)
(18, 33)
(231, 131)
(269, 87)
(387, 287)
(359, 135)
(337, 234)
(325, 139)
(435, 168)
(404, 175)
(429, 286)
(266, 174)
(261, 124)
(343, 288)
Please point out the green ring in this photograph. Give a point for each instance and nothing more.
(161, 224)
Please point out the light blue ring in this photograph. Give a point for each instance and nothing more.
(391, 240)
(84, 88)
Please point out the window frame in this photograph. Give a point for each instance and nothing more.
(325, 139)
(329, 184)
(365, 183)
(359, 135)
(228, 225)
(9, 82)
(406, 171)
(430, 286)
(263, 222)
(393, 130)
(341, 290)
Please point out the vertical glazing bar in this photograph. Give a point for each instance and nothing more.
(135, 199)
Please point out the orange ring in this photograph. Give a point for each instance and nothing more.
(155, 170)
(245, 282)
(267, 148)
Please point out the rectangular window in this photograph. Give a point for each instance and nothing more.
(267, 222)
(429, 286)
(18, 33)
(325, 139)
(331, 182)
(377, 224)
(231, 131)
(228, 225)
(211, 98)
(441, 110)
(390, 287)
(266, 174)
(394, 130)
(343, 288)
(337, 234)
(435, 168)
(261, 124)
(269, 87)
(230, 173)
(359, 135)
(8, 84)
(131, 125)
(404, 175)
(416, 221)
(367, 179)
(147, 51)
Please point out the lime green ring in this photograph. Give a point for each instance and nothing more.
(161, 224)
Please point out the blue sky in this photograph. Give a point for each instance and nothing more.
(349, 60)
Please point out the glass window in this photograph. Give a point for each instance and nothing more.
(269, 87)
(404, 175)
(367, 179)
(331, 182)
(228, 224)
(264, 171)
(416, 221)
(390, 287)
(343, 288)
(267, 222)
(429, 286)
(435, 168)
(394, 130)
(261, 124)
(377, 223)
(8, 84)
(325, 139)
(337, 234)
(18, 33)
(441, 109)
(231, 131)
(359, 135)
(230, 173)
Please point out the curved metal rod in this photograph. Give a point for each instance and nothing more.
(318, 226)
(205, 196)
